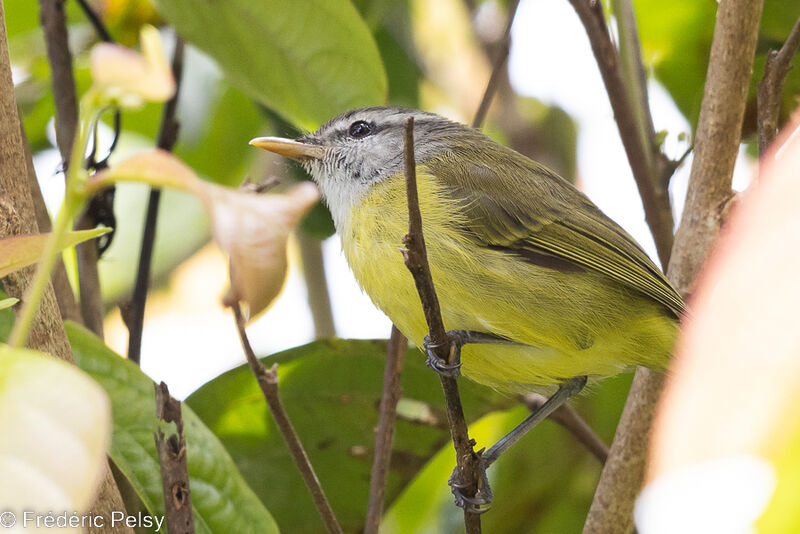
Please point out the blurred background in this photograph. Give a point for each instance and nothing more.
(437, 55)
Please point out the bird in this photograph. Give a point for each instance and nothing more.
(544, 288)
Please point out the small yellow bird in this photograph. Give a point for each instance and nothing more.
(522, 262)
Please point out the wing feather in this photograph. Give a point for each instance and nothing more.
(534, 211)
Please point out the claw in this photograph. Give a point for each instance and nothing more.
(481, 502)
(453, 369)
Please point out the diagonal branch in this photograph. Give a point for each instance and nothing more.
(392, 391)
(416, 259)
(497, 68)
(771, 85)
(640, 151)
(268, 382)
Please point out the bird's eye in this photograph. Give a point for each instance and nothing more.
(359, 129)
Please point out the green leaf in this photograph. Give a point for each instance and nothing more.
(676, 42)
(6, 318)
(56, 425)
(7, 303)
(221, 499)
(19, 251)
(308, 60)
(331, 390)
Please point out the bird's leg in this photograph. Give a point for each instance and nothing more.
(567, 390)
(458, 338)
(483, 498)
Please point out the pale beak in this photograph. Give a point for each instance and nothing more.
(287, 147)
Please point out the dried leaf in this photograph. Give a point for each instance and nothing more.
(155, 167)
(253, 230)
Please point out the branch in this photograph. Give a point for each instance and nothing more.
(319, 300)
(718, 136)
(54, 24)
(640, 151)
(497, 67)
(567, 417)
(416, 259)
(268, 382)
(174, 469)
(770, 88)
(95, 21)
(167, 136)
(392, 391)
(716, 146)
(91, 296)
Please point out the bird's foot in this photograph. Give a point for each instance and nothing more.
(451, 367)
(478, 503)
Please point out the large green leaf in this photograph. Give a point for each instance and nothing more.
(676, 41)
(307, 59)
(331, 390)
(221, 499)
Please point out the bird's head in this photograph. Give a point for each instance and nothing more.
(354, 151)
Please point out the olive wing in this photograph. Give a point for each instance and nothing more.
(513, 204)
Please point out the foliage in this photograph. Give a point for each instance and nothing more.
(272, 67)
(221, 499)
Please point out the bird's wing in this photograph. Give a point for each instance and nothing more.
(545, 221)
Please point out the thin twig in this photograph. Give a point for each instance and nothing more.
(567, 417)
(497, 68)
(416, 259)
(95, 21)
(652, 187)
(771, 86)
(392, 391)
(167, 136)
(173, 462)
(91, 296)
(64, 94)
(318, 297)
(716, 146)
(268, 382)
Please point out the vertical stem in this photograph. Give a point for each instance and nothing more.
(167, 136)
(416, 259)
(392, 391)
(54, 24)
(173, 462)
(91, 297)
(319, 301)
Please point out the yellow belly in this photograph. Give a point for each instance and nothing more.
(567, 324)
